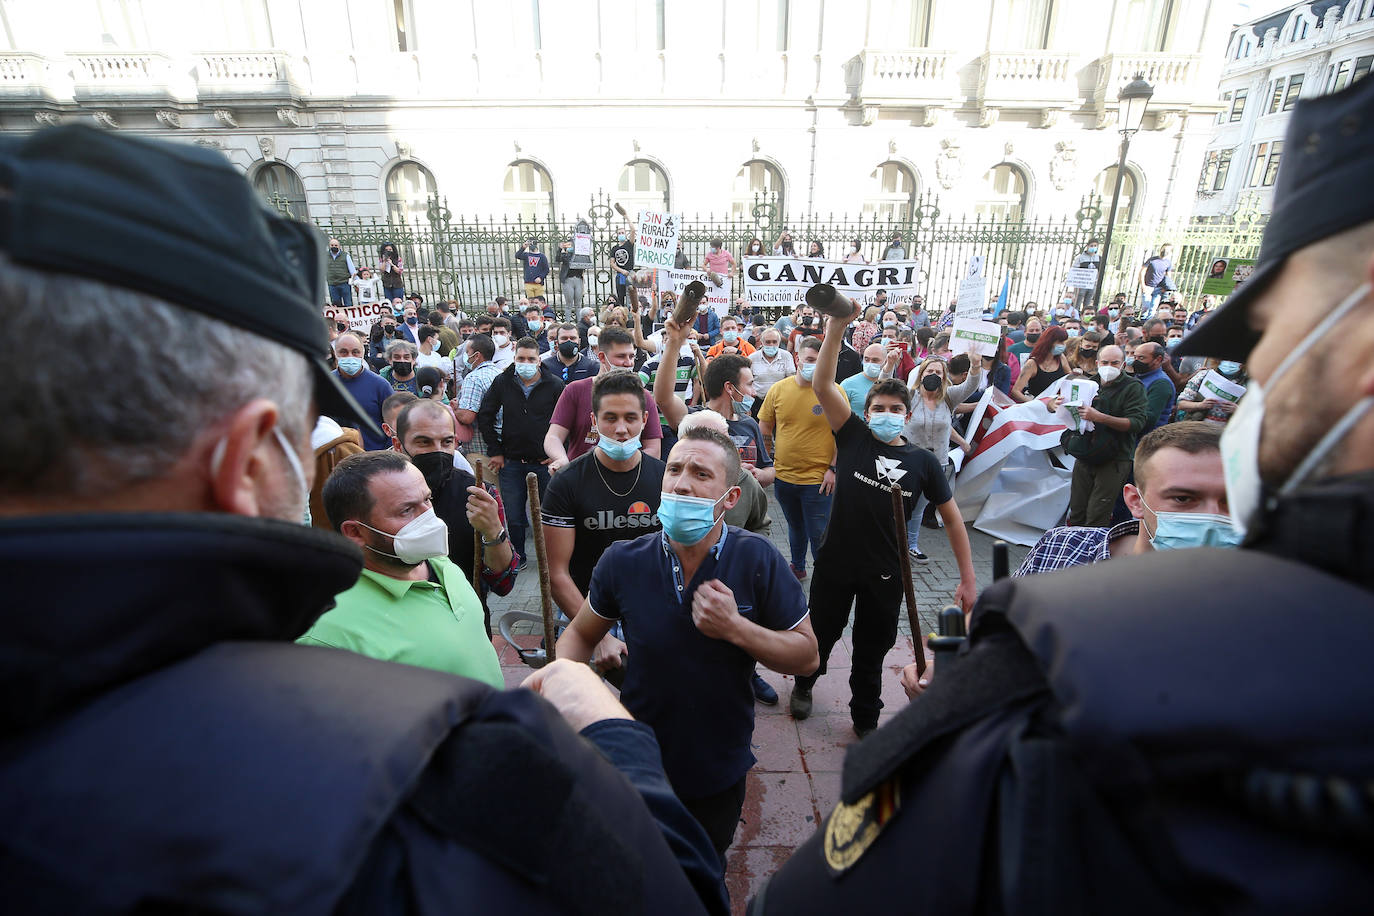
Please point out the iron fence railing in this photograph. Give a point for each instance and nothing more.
(471, 260)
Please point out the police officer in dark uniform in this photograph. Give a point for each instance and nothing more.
(1190, 730)
(164, 744)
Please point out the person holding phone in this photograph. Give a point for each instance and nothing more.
(390, 267)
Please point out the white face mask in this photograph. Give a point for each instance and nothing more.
(1108, 374)
(500, 340)
(297, 471)
(1240, 441)
(423, 538)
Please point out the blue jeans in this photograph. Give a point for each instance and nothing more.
(913, 525)
(807, 510)
(393, 292)
(341, 294)
(516, 498)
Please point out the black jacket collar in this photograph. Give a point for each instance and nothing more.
(97, 600)
(1328, 524)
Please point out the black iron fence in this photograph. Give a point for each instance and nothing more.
(471, 260)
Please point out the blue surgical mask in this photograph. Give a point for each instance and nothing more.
(872, 370)
(1181, 530)
(1173, 342)
(1226, 367)
(744, 405)
(616, 450)
(730, 336)
(527, 371)
(1072, 332)
(1092, 249)
(808, 370)
(1112, 313)
(687, 519)
(535, 325)
(886, 426)
(770, 352)
(351, 365)
(1058, 350)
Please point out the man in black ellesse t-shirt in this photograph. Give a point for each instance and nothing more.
(609, 494)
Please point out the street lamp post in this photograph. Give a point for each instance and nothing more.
(1132, 100)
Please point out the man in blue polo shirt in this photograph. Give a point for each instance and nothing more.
(701, 602)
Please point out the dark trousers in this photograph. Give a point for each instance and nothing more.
(340, 294)
(516, 497)
(719, 814)
(1093, 491)
(877, 601)
(807, 510)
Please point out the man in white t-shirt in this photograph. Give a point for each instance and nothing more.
(505, 347)
(429, 352)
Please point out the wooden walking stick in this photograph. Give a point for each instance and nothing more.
(477, 562)
(542, 560)
(914, 621)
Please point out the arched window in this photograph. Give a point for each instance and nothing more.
(278, 182)
(757, 181)
(643, 186)
(891, 192)
(409, 186)
(529, 191)
(1003, 194)
(1105, 183)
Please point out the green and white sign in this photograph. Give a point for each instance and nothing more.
(972, 335)
(1225, 274)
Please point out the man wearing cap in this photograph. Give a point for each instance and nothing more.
(1095, 747)
(154, 699)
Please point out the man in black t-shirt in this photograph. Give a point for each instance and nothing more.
(609, 494)
(859, 559)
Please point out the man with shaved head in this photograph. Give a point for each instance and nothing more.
(1102, 457)
(368, 388)
(1151, 358)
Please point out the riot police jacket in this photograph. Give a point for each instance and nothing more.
(1187, 731)
(166, 746)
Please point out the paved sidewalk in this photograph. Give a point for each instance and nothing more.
(797, 778)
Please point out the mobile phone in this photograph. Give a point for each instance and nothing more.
(903, 346)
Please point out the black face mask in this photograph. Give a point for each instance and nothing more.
(1158, 338)
(389, 330)
(400, 369)
(436, 466)
(1032, 337)
(931, 383)
(567, 349)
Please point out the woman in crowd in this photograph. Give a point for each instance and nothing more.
(754, 249)
(785, 246)
(924, 337)
(390, 268)
(998, 373)
(1046, 365)
(815, 250)
(853, 256)
(1194, 405)
(928, 427)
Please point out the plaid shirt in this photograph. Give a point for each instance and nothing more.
(1060, 548)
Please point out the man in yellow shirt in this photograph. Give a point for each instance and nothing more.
(803, 454)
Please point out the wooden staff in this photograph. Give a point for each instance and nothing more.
(686, 310)
(477, 561)
(542, 561)
(899, 517)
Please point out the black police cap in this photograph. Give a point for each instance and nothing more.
(1323, 188)
(177, 222)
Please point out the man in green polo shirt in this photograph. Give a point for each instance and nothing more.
(411, 604)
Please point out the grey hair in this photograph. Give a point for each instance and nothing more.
(397, 345)
(705, 417)
(120, 395)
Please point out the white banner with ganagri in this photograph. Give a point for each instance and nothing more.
(772, 282)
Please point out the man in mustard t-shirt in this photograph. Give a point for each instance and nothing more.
(803, 454)
(411, 603)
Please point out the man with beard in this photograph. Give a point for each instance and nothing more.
(411, 604)
(425, 434)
